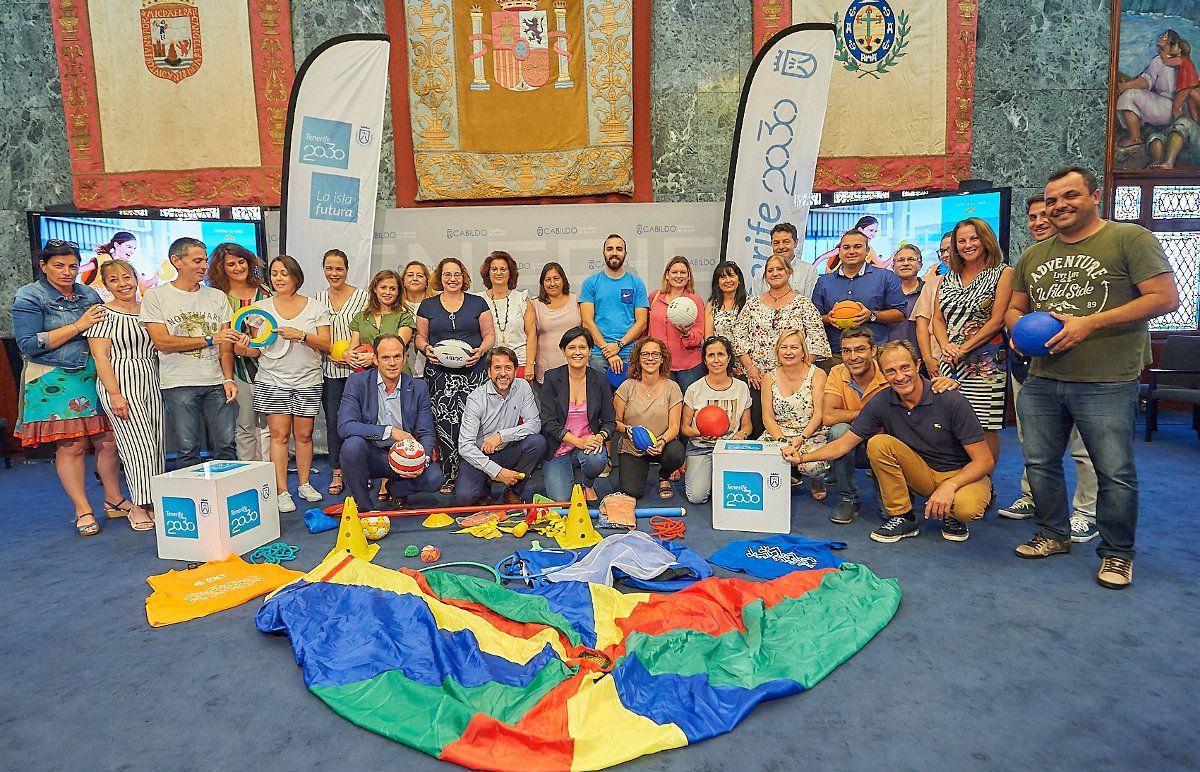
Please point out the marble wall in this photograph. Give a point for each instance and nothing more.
(1039, 100)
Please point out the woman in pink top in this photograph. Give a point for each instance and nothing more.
(576, 405)
(554, 311)
(683, 341)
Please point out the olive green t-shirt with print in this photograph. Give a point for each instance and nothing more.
(1087, 277)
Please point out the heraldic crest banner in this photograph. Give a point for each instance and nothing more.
(211, 92)
(911, 58)
(520, 98)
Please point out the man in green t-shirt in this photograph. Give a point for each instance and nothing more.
(1104, 281)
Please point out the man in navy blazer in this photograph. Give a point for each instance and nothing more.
(381, 407)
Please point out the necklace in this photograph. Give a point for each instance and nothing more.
(787, 291)
(501, 326)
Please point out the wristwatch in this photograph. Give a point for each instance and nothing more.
(208, 340)
(872, 316)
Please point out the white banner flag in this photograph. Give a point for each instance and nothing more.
(335, 127)
(775, 145)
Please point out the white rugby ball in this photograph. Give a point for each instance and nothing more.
(452, 353)
(682, 311)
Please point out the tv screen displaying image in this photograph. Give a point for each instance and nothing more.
(899, 220)
(142, 240)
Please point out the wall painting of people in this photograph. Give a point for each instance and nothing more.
(1154, 105)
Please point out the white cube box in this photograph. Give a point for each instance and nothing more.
(214, 509)
(751, 489)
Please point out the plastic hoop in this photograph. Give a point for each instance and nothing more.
(268, 334)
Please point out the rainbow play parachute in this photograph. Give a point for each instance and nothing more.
(573, 676)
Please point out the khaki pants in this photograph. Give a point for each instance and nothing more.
(899, 472)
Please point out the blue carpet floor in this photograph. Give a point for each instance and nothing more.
(991, 662)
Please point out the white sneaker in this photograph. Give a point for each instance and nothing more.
(309, 493)
(284, 499)
(1083, 530)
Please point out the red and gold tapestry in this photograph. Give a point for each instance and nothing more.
(514, 98)
(899, 114)
(174, 102)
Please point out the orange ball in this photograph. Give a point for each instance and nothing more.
(843, 312)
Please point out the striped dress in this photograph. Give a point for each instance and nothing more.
(981, 374)
(340, 322)
(139, 437)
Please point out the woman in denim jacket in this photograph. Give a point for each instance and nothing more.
(58, 383)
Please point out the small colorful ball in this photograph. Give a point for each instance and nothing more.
(376, 526)
(430, 554)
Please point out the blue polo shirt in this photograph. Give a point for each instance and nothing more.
(876, 288)
(936, 428)
(615, 303)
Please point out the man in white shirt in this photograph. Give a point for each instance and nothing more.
(501, 437)
(784, 238)
(189, 325)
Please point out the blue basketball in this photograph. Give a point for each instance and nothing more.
(642, 438)
(1032, 331)
(616, 379)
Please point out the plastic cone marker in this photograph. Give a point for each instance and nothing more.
(580, 532)
(350, 534)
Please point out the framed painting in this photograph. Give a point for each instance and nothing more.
(1154, 90)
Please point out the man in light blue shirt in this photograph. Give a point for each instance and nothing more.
(501, 437)
(615, 309)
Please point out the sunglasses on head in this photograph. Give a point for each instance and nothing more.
(57, 243)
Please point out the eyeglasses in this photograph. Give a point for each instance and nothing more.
(858, 350)
(943, 251)
(650, 355)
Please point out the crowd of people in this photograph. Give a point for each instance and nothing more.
(912, 385)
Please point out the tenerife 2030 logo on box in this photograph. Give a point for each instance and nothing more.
(743, 490)
(324, 142)
(243, 512)
(334, 198)
(179, 518)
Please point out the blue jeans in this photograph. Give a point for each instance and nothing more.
(558, 473)
(1106, 416)
(685, 378)
(192, 410)
(843, 468)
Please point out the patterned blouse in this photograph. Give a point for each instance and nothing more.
(758, 327)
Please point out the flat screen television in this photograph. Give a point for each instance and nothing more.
(152, 231)
(892, 220)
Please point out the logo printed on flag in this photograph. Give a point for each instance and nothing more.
(326, 143)
(795, 64)
(171, 38)
(334, 197)
(871, 34)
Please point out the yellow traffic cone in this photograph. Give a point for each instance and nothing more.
(579, 531)
(350, 534)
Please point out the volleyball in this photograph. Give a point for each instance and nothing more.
(682, 311)
(408, 456)
(453, 353)
(843, 312)
(338, 350)
(376, 527)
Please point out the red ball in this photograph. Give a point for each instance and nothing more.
(712, 421)
(408, 456)
(364, 348)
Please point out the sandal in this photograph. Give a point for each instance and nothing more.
(447, 489)
(385, 493)
(819, 491)
(88, 529)
(665, 491)
(113, 511)
(140, 525)
(336, 486)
